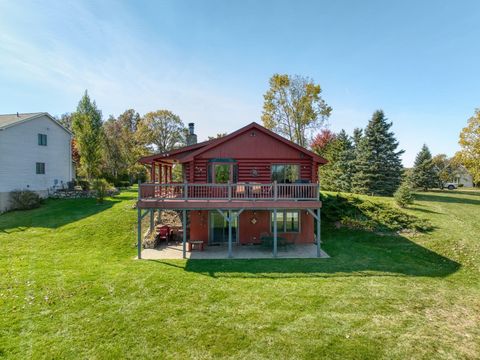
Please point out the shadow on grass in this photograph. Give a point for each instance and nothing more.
(54, 213)
(430, 196)
(353, 253)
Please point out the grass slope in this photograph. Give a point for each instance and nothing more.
(69, 288)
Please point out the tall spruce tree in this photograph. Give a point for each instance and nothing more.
(423, 173)
(378, 167)
(336, 175)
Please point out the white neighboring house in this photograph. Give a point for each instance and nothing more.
(35, 154)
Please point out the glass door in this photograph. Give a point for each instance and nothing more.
(218, 228)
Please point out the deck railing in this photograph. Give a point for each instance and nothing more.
(238, 191)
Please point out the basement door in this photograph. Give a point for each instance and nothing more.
(218, 228)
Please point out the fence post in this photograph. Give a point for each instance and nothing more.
(275, 190)
(185, 191)
(229, 191)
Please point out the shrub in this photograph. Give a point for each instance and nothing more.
(122, 184)
(460, 185)
(85, 184)
(101, 187)
(24, 200)
(404, 196)
(358, 213)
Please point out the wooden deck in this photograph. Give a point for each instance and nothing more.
(207, 204)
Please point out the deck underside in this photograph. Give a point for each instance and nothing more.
(175, 204)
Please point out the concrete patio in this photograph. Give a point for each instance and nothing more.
(171, 252)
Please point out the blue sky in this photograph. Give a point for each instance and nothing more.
(210, 61)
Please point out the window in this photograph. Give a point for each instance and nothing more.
(287, 221)
(42, 139)
(40, 168)
(285, 173)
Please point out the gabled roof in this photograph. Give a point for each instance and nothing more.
(188, 153)
(9, 120)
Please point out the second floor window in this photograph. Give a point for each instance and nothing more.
(40, 168)
(42, 139)
(285, 173)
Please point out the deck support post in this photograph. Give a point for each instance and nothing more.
(184, 242)
(230, 234)
(275, 232)
(139, 232)
(319, 253)
(152, 217)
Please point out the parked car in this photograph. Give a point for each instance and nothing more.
(450, 186)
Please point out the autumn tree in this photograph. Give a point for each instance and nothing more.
(163, 129)
(293, 107)
(469, 141)
(87, 130)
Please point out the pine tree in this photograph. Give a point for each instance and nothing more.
(337, 174)
(423, 174)
(403, 196)
(378, 167)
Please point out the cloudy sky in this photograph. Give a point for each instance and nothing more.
(210, 61)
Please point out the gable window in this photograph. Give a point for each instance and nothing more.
(287, 221)
(285, 173)
(40, 167)
(42, 139)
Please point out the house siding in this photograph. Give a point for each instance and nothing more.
(19, 153)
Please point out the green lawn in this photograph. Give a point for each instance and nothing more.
(70, 288)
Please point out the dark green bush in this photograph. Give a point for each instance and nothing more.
(24, 200)
(85, 184)
(355, 212)
(122, 184)
(404, 196)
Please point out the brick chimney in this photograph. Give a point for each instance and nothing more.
(191, 137)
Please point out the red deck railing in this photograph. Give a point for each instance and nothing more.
(238, 191)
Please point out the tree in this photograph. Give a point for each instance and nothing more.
(469, 155)
(423, 172)
(378, 167)
(321, 141)
(404, 196)
(218, 136)
(164, 129)
(123, 146)
(65, 120)
(338, 149)
(294, 108)
(87, 131)
(446, 169)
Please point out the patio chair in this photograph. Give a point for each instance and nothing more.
(164, 233)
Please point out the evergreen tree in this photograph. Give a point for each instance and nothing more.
(87, 131)
(404, 196)
(423, 173)
(378, 167)
(337, 174)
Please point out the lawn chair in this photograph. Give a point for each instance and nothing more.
(164, 233)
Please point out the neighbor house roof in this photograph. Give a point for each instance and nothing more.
(8, 120)
(187, 153)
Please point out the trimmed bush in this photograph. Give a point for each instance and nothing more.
(101, 188)
(24, 200)
(404, 196)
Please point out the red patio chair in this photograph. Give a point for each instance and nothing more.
(163, 233)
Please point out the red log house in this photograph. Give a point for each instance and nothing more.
(240, 189)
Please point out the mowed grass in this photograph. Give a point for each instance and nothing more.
(70, 288)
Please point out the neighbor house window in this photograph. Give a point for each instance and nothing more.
(287, 221)
(40, 168)
(285, 173)
(42, 139)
